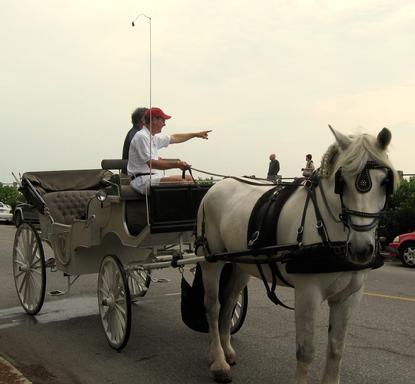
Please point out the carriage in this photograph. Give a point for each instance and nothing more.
(319, 236)
(96, 223)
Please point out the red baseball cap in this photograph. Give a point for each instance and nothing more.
(156, 112)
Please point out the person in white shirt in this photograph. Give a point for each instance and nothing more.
(143, 156)
(309, 166)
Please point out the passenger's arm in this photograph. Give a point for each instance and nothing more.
(182, 137)
(168, 164)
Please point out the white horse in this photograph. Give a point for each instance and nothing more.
(359, 168)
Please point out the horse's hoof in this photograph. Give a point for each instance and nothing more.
(222, 375)
(223, 379)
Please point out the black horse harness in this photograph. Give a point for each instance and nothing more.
(262, 244)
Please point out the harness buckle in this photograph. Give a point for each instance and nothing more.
(254, 238)
(300, 231)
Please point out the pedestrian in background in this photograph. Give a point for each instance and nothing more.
(309, 166)
(273, 168)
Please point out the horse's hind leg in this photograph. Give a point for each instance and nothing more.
(218, 366)
(340, 312)
(234, 286)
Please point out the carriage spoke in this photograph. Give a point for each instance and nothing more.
(120, 309)
(117, 287)
(19, 253)
(26, 243)
(19, 274)
(103, 292)
(25, 288)
(106, 313)
(19, 262)
(105, 282)
(32, 247)
(119, 325)
(34, 280)
(22, 283)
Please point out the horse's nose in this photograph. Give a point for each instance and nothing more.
(361, 255)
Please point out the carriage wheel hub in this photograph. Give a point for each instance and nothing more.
(109, 301)
(24, 268)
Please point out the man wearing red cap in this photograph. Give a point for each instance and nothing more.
(143, 156)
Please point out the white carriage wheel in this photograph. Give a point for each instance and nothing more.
(29, 270)
(239, 312)
(114, 302)
(138, 282)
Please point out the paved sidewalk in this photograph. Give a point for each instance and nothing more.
(10, 375)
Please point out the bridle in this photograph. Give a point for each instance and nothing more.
(363, 184)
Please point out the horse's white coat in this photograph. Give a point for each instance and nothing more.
(225, 211)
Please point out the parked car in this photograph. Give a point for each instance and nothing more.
(403, 246)
(25, 213)
(6, 213)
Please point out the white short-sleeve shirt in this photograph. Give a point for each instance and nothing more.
(139, 155)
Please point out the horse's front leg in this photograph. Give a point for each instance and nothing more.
(218, 366)
(307, 305)
(234, 286)
(340, 312)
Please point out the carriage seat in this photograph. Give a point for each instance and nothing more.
(65, 193)
(66, 206)
(128, 193)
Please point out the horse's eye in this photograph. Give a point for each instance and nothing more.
(385, 181)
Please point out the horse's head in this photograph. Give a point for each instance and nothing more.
(364, 178)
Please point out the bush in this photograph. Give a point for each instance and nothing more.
(10, 195)
(400, 215)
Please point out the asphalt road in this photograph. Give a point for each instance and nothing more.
(65, 342)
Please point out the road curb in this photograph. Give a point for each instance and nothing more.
(10, 374)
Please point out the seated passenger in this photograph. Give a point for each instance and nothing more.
(143, 155)
(137, 118)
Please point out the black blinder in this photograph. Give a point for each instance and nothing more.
(363, 182)
(388, 182)
(338, 182)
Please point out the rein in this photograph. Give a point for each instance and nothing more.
(243, 180)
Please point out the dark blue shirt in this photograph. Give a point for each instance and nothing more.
(127, 142)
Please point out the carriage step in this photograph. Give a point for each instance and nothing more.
(160, 280)
(56, 292)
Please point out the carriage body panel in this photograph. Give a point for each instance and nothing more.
(81, 230)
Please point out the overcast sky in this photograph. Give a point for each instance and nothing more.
(266, 76)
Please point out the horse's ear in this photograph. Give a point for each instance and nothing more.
(341, 139)
(384, 138)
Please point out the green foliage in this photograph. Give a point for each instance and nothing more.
(10, 195)
(205, 181)
(400, 216)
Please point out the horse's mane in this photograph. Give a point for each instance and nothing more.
(352, 160)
